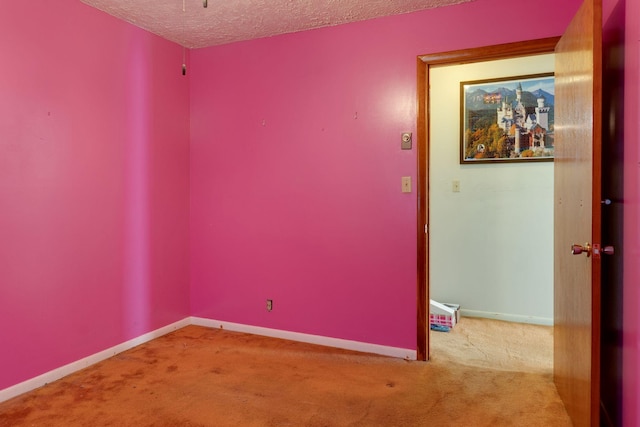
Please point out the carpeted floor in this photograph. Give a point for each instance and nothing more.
(492, 344)
(205, 377)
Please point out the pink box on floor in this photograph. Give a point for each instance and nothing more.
(443, 314)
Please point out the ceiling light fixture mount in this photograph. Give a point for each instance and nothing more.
(184, 50)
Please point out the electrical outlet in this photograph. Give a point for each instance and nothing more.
(269, 304)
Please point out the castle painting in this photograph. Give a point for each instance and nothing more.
(507, 119)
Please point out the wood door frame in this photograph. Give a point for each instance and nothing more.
(424, 63)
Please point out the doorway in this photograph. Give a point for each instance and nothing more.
(425, 64)
(492, 221)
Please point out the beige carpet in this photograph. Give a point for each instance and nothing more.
(205, 377)
(493, 344)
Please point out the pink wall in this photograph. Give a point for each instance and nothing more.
(94, 185)
(296, 167)
(631, 274)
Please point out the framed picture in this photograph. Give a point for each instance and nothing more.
(507, 119)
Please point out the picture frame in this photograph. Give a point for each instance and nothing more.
(507, 119)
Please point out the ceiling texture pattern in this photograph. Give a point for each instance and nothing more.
(190, 24)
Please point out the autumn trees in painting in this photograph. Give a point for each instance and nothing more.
(507, 119)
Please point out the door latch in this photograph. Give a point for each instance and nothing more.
(596, 250)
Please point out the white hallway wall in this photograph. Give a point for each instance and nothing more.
(491, 244)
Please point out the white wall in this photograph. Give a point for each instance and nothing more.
(491, 244)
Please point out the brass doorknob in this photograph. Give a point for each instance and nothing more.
(581, 249)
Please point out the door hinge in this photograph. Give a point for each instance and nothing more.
(426, 229)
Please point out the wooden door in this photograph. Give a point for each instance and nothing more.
(578, 112)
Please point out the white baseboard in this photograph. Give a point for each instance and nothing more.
(363, 347)
(508, 317)
(63, 371)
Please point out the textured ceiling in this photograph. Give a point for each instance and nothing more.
(227, 21)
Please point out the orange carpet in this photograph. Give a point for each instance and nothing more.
(208, 377)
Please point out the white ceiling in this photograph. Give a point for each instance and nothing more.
(227, 21)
